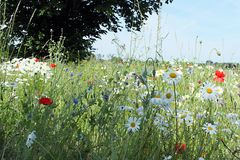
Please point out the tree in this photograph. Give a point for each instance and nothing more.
(80, 21)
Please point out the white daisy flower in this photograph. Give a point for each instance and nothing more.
(200, 158)
(133, 124)
(172, 77)
(210, 128)
(209, 91)
(185, 116)
(27, 66)
(168, 96)
(157, 98)
(159, 72)
(156, 101)
(31, 138)
(166, 106)
(157, 94)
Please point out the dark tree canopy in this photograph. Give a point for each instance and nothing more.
(80, 21)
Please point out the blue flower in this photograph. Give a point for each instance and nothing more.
(75, 101)
(106, 97)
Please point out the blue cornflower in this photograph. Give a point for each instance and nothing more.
(106, 97)
(75, 101)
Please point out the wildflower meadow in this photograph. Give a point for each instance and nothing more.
(118, 110)
(57, 104)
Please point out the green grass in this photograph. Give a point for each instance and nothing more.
(95, 127)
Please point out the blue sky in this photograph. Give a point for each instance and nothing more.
(213, 22)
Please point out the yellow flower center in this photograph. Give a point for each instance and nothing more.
(168, 95)
(132, 124)
(210, 128)
(157, 96)
(183, 116)
(209, 90)
(172, 75)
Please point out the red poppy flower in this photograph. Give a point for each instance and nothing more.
(180, 148)
(219, 76)
(45, 101)
(218, 79)
(53, 65)
(36, 59)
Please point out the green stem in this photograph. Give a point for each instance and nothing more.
(175, 102)
(209, 111)
(45, 149)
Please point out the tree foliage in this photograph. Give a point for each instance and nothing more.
(80, 21)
